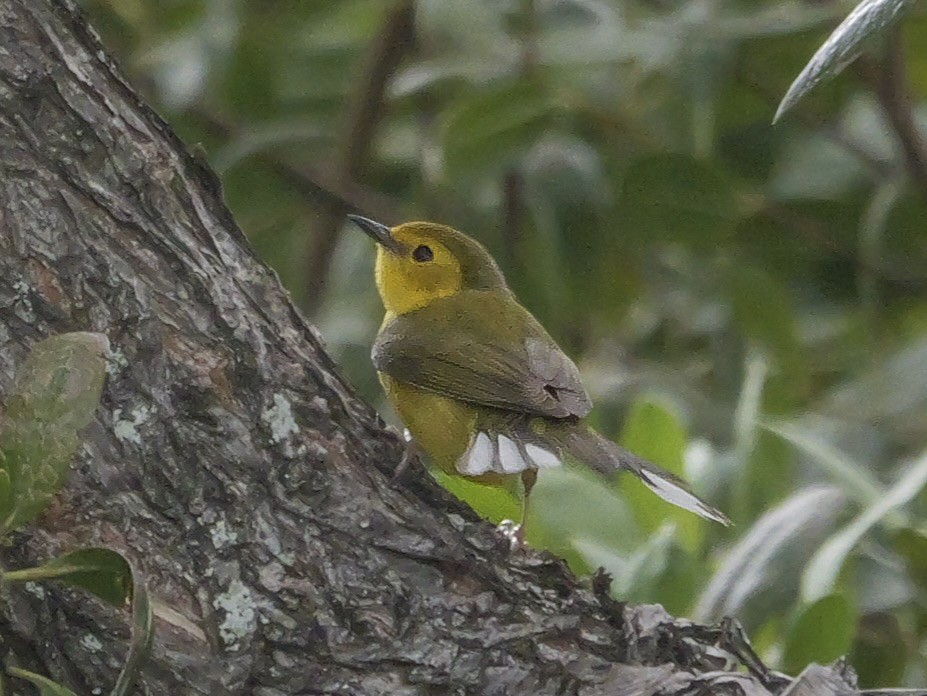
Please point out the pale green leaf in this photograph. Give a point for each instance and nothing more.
(60, 381)
(567, 504)
(821, 573)
(840, 466)
(55, 395)
(760, 573)
(6, 490)
(843, 45)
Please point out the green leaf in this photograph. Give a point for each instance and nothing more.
(823, 632)
(912, 545)
(55, 395)
(142, 636)
(882, 650)
(654, 431)
(764, 313)
(487, 132)
(680, 198)
(108, 575)
(35, 458)
(46, 686)
(820, 575)
(843, 45)
(493, 503)
(573, 503)
(103, 572)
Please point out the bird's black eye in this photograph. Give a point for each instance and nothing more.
(423, 253)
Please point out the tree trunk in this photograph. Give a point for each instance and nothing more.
(232, 463)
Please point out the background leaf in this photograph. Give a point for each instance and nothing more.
(820, 575)
(653, 431)
(822, 632)
(842, 46)
(912, 545)
(760, 571)
(483, 131)
(103, 572)
(678, 197)
(567, 505)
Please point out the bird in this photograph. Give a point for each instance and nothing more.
(480, 385)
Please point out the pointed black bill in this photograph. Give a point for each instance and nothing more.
(380, 233)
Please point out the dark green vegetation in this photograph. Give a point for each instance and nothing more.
(747, 302)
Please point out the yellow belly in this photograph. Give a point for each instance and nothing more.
(442, 426)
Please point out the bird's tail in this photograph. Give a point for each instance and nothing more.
(506, 446)
(604, 456)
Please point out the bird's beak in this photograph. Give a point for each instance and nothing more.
(380, 233)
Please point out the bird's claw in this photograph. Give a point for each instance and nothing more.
(411, 450)
(513, 533)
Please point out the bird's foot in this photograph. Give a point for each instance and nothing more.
(513, 533)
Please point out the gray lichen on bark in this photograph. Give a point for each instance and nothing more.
(232, 463)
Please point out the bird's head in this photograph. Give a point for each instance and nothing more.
(419, 262)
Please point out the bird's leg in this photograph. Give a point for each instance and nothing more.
(528, 478)
(410, 452)
(515, 533)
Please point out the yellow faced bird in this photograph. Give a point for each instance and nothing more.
(479, 383)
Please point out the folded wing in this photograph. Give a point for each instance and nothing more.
(482, 348)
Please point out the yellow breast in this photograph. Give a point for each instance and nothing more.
(442, 426)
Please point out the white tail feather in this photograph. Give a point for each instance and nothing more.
(673, 493)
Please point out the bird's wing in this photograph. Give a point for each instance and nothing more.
(483, 348)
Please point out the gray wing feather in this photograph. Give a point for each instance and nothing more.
(486, 365)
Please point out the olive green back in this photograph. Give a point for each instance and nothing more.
(482, 347)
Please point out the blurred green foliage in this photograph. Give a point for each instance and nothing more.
(747, 303)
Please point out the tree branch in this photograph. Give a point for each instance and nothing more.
(889, 81)
(319, 185)
(349, 161)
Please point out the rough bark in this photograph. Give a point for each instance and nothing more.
(232, 463)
